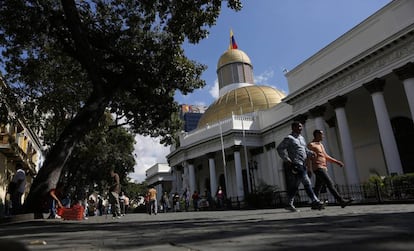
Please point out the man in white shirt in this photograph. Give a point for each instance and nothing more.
(19, 180)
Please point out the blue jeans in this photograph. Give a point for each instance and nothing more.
(294, 181)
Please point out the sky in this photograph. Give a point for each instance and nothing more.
(276, 35)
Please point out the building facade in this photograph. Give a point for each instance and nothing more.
(359, 90)
(18, 144)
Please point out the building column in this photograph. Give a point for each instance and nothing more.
(179, 178)
(351, 170)
(318, 113)
(389, 144)
(271, 162)
(212, 168)
(191, 176)
(406, 75)
(338, 175)
(239, 175)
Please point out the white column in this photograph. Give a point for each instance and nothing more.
(212, 168)
(273, 155)
(349, 156)
(179, 176)
(406, 75)
(389, 144)
(339, 175)
(239, 175)
(191, 176)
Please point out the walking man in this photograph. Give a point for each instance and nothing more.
(152, 194)
(294, 153)
(318, 165)
(114, 190)
(17, 189)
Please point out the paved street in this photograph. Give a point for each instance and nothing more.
(367, 227)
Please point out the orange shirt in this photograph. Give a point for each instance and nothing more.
(152, 194)
(321, 157)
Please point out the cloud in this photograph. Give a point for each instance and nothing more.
(264, 77)
(214, 90)
(148, 152)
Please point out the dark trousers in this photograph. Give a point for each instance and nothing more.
(323, 178)
(16, 199)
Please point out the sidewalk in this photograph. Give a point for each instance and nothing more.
(368, 228)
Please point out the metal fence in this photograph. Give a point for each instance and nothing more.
(370, 193)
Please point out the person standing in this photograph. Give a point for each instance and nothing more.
(53, 200)
(318, 165)
(152, 194)
(122, 203)
(114, 190)
(195, 198)
(165, 202)
(220, 197)
(293, 151)
(126, 204)
(17, 188)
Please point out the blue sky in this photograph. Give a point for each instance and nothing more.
(275, 34)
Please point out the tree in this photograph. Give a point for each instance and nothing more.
(122, 55)
(94, 156)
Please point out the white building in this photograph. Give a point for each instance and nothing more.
(359, 89)
(159, 176)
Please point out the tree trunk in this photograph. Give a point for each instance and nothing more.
(49, 173)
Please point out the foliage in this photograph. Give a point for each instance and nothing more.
(59, 54)
(92, 159)
(390, 187)
(89, 56)
(264, 196)
(133, 190)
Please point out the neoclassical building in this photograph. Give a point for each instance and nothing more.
(359, 89)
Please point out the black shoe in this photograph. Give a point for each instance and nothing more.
(345, 202)
(318, 205)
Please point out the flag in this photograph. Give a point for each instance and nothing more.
(233, 44)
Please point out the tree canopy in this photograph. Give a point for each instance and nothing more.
(89, 56)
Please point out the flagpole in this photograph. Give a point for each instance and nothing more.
(249, 186)
(224, 158)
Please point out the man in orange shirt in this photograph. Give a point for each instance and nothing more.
(152, 194)
(318, 164)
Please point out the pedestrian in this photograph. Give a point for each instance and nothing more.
(55, 203)
(114, 190)
(195, 198)
(152, 194)
(176, 202)
(126, 204)
(122, 203)
(16, 189)
(165, 202)
(294, 153)
(220, 197)
(100, 206)
(318, 165)
(186, 199)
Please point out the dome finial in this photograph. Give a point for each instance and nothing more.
(233, 44)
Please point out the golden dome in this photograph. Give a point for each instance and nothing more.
(232, 56)
(242, 100)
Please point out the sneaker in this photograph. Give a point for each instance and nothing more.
(318, 205)
(345, 202)
(291, 208)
